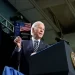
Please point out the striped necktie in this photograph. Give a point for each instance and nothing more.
(36, 45)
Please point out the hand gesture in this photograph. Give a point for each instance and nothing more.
(18, 40)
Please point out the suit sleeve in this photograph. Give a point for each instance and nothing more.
(15, 58)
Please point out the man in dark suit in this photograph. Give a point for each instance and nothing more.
(26, 48)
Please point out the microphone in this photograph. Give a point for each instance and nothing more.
(60, 39)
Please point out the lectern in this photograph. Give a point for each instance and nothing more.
(54, 60)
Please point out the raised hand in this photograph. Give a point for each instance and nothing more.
(18, 40)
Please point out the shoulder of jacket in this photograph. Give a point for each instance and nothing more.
(23, 41)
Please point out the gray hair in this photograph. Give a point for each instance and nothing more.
(34, 25)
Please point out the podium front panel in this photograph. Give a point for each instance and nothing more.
(54, 59)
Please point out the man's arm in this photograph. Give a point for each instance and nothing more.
(15, 57)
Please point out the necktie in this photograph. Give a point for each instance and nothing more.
(35, 46)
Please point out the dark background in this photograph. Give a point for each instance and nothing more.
(6, 47)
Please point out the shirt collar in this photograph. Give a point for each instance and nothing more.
(33, 39)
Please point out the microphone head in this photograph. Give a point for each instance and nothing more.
(58, 39)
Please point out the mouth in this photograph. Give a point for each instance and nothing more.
(41, 34)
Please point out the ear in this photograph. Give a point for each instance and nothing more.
(32, 30)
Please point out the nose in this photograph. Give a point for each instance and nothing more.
(42, 30)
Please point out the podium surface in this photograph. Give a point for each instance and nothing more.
(54, 60)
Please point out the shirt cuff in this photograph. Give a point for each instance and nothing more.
(19, 49)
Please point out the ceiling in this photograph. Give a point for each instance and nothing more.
(57, 15)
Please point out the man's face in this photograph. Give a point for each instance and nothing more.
(38, 31)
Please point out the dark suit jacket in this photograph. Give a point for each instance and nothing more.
(24, 54)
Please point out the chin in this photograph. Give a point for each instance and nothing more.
(40, 37)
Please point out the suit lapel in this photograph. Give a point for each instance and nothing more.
(40, 46)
